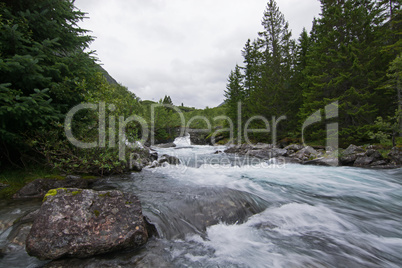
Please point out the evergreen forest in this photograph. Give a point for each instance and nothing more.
(351, 57)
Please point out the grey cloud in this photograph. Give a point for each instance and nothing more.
(181, 48)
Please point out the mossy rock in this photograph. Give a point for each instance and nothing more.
(52, 192)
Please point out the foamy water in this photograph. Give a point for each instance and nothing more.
(318, 217)
(304, 216)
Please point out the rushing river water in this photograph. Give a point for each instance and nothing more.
(218, 210)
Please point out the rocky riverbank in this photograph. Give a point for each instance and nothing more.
(357, 156)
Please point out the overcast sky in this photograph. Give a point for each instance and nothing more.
(181, 48)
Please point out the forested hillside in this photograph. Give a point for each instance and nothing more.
(44, 72)
(352, 55)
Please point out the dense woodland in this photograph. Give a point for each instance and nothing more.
(45, 70)
(352, 55)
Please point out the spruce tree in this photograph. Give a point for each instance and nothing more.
(273, 94)
(252, 76)
(299, 77)
(42, 61)
(234, 94)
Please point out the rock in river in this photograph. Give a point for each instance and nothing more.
(39, 187)
(81, 223)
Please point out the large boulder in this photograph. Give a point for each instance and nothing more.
(81, 223)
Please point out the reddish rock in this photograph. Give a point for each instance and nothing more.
(82, 223)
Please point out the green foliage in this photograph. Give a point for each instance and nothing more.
(210, 115)
(41, 58)
(234, 94)
(19, 112)
(393, 85)
(385, 130)
(63, 156)
(276, 61)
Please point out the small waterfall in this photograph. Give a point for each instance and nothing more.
(183, 141)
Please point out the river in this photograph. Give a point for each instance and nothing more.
(218, 210)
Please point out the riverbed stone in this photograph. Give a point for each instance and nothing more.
(39, 187)
(306, 153)
(349, 156)
(268, 153)
(294, 147)
(353, 149)
(363, 161)
(323, 161)
(81, 223)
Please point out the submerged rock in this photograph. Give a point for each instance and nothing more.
(184, 212)
(150, 256)
(82, 223)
